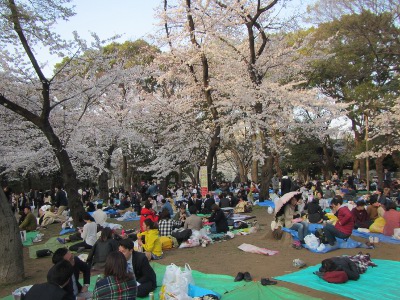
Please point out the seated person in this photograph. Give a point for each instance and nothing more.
(181, 214)
(103, 246)
(89, 206)
(58, 278)
(374, 209)
(118, 282)
(147, 212)
(241, 206)
(166, 224)
(315, 212)
(88, 233)
(74, 288)
(100, 216)
(292, 221)
(30, 222)
(392, 218)
(167, 205)
(124, 206)
(219, 218)
(208, 203)
(344, 225)
(152, 245)
(193, 222)
(139, 265)
(360, 216)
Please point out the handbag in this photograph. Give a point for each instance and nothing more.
(43, 253)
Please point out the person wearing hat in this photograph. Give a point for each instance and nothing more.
(360, 215)
(30, 222)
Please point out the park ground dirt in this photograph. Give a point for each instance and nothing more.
(225, 257)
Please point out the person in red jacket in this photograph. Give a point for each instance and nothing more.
(147, 213)
(344, 225)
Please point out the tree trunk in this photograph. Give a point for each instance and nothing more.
(125, 172)
(103, 185)
(215, 167)
(11, 252)
(379, 169)
(212, 150)
(363, 169)
(266, 175)
(254, 170)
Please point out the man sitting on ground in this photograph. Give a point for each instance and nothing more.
(73, 288)
(140, 266)
(99, 216)
(30, 221)
(58, 277)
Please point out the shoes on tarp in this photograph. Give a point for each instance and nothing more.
(247, 277)
(267, 281)
(239, 277)
(61, 241)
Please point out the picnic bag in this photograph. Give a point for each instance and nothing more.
(43, 253)
(321, 236)
(335, 277)
(182, 234)
(166, 242)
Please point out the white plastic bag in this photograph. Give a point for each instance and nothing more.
(187, 274)
(312, 241)
(176, 283)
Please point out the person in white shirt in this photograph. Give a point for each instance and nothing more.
(100, 217)
(88, 233)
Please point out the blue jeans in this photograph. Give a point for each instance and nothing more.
(332, 233)
(301, 228)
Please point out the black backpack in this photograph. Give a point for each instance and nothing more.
(43, 253)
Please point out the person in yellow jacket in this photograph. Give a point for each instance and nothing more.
(152, 245)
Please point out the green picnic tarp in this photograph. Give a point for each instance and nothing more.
(381, 281)
(225, 286)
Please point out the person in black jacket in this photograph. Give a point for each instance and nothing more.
(58, 277)
(100, 250)
(218, 216)
(140, 266)
(61, 200)
(73, 287)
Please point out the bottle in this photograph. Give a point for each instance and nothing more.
(151, 296)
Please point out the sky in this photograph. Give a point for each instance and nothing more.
(133, 19)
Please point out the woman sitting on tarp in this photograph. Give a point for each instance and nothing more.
(292, 220)
(241, 206)
(360, 216)
(315, 212)
(392, 218)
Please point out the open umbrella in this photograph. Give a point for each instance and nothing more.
(280, 202)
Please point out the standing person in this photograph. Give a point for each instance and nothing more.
(387, 178)
(275, 184)
(58, 278)
(218, 216)
(344, 225)
(74, 288)
(286, 184)
(118, 283)
(61, 200)
(22, 202)
(138, 264)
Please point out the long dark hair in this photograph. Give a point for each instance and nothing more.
(116, 266)
(106, 234)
